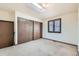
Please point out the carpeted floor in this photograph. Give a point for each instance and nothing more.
(40, 47)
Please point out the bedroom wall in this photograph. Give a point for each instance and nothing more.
(6, 15)
(69, 29)
(78, 27)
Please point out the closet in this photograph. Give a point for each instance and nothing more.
(28, 30)
(25, 30)
(6, 33)
(37, 30)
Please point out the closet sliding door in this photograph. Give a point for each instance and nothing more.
(6, 34)
(28, 30)
(37, 30)
(25, 30)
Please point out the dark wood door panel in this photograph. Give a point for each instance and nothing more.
(25, 30)
(6, 34)
(37, 30)
(28, 30)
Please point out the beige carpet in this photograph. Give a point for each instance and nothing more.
(40, 47)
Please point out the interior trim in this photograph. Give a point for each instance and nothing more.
(6, 21)
(61, 42)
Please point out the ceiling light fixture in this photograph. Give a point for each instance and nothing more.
(37, 5)
(41, 5)
(44, 5)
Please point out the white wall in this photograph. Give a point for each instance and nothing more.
(26, 16)
(78, 27)
(69, 29)
(6, 16)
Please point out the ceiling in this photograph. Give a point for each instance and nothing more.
(52, 10)
(55, 9)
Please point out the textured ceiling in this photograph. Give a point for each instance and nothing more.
(53, 9)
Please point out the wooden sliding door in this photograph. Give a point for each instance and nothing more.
(37, 30)
(28, 30)
(6, 34)
(25, 30)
